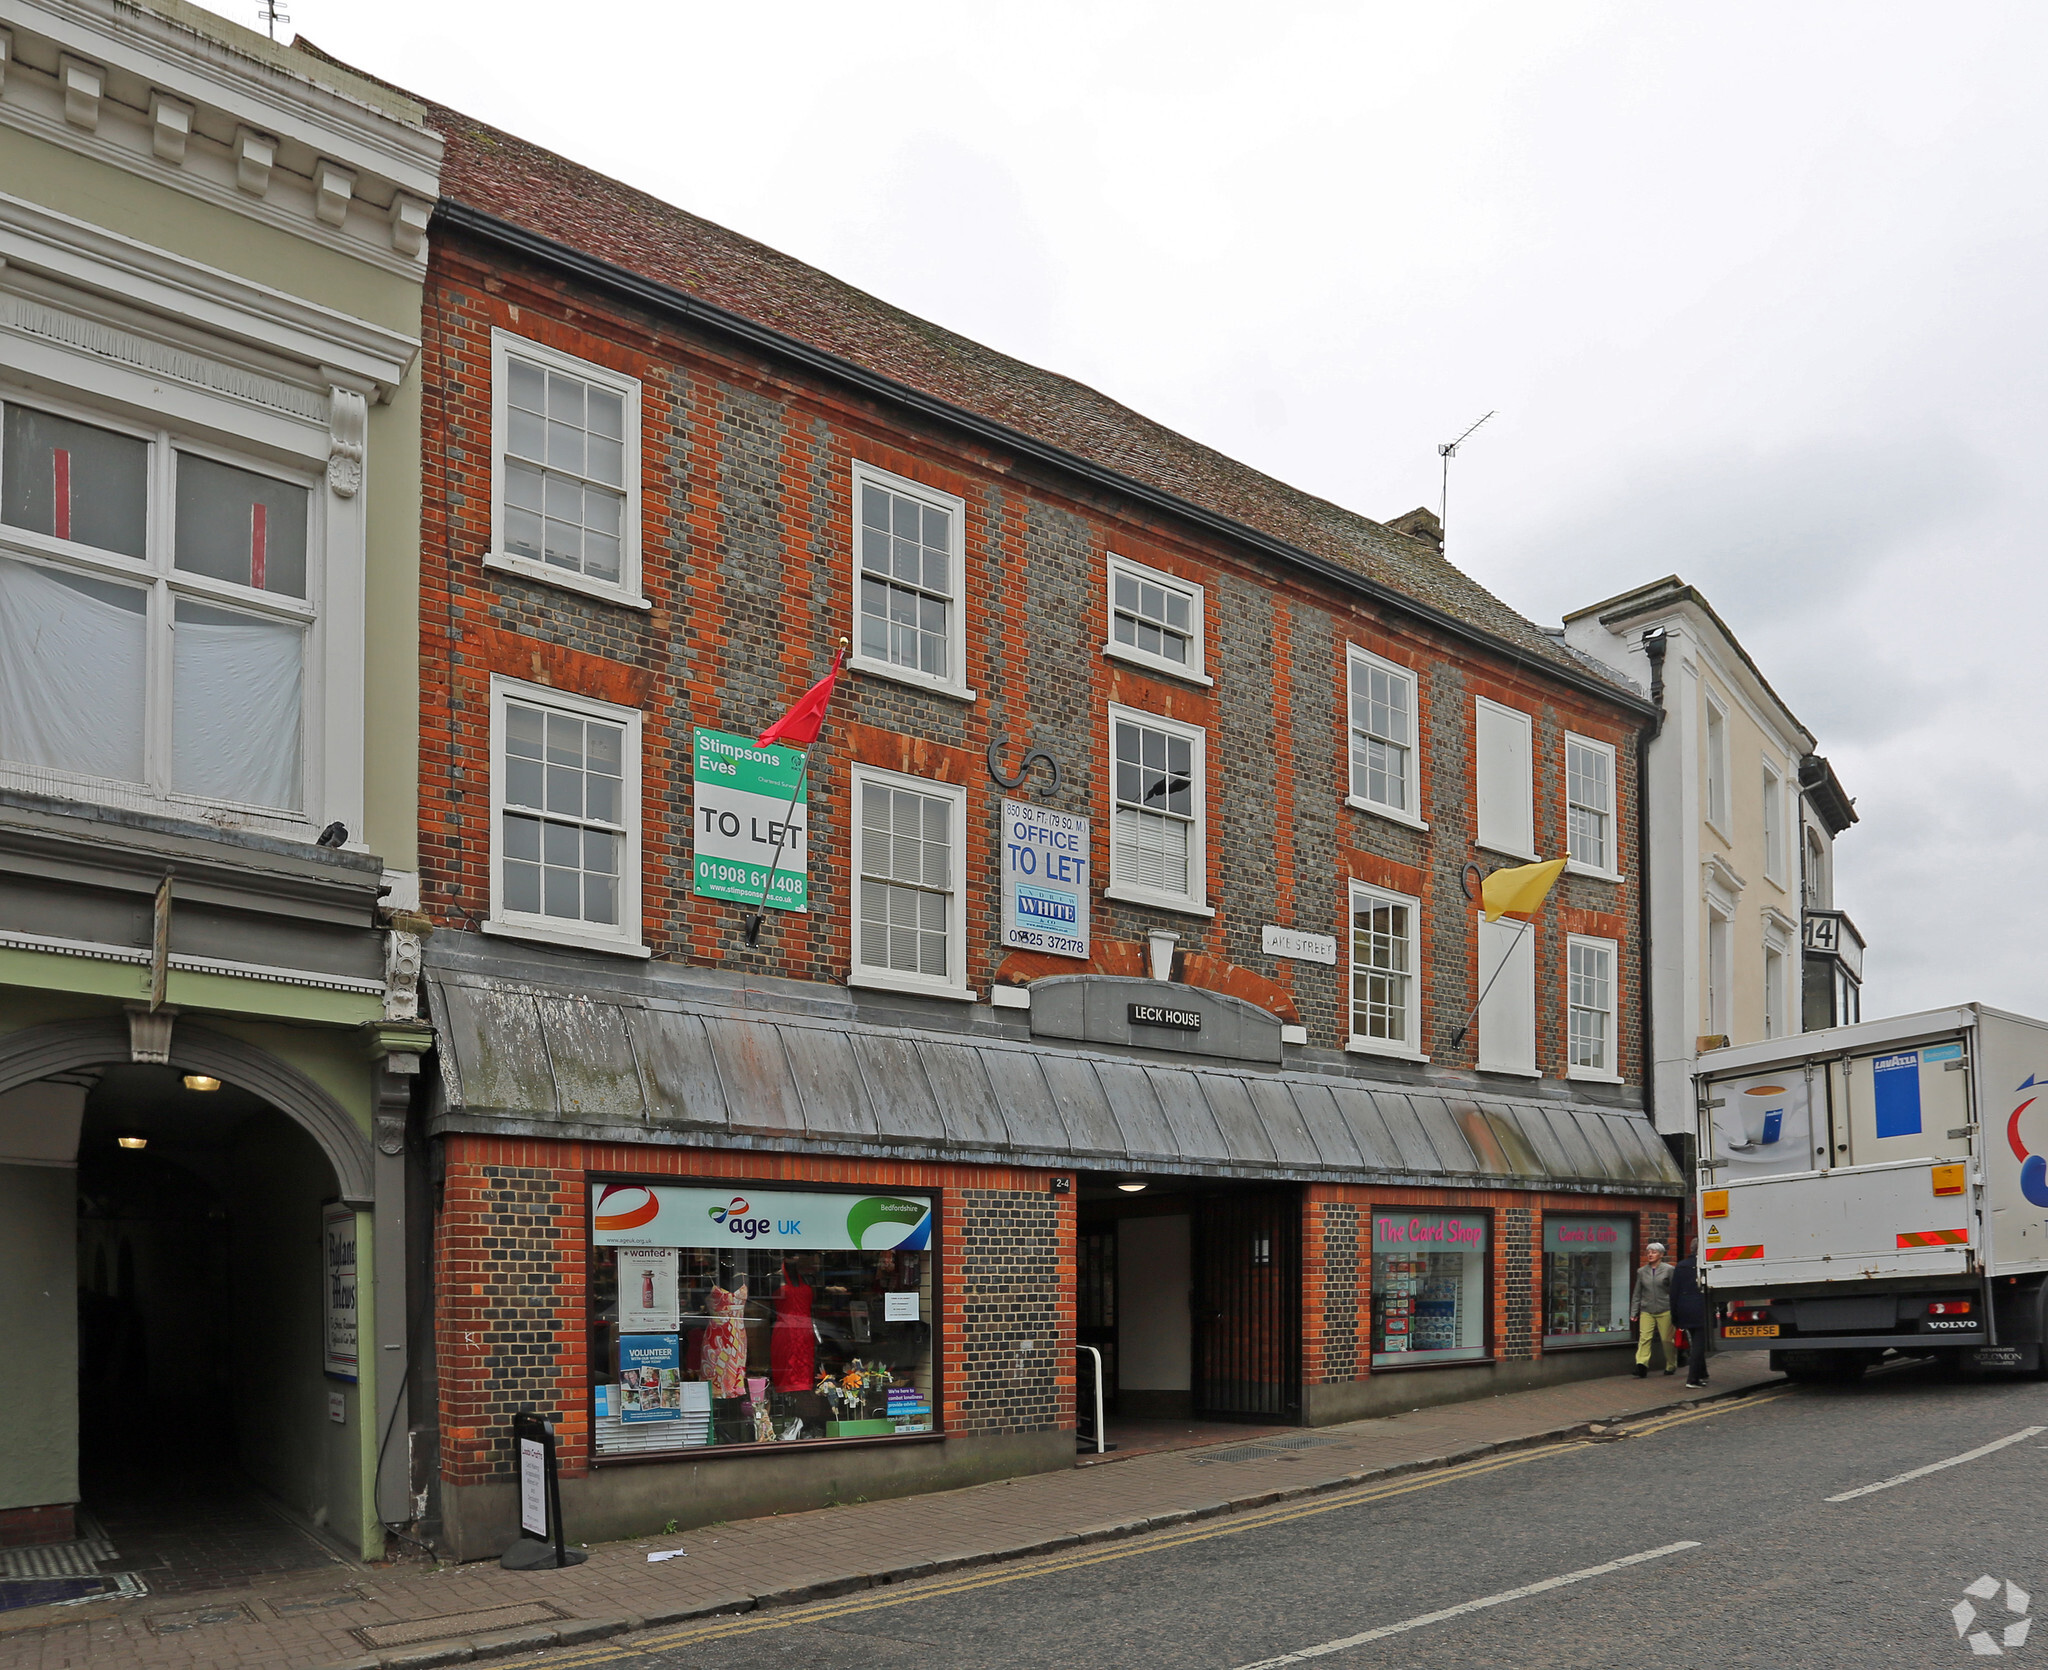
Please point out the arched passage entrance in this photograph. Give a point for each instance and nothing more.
(181, 1395)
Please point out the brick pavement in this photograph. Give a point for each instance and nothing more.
(307, 1620)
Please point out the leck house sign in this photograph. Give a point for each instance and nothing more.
(1045, 880)
(742, 807)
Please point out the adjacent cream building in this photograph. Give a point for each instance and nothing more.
(1744, 939)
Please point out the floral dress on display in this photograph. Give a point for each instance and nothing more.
(725, 1343)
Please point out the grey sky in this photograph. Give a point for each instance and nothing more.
(1757, 291)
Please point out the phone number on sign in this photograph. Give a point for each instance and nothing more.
(746, 876)
(1029, 940)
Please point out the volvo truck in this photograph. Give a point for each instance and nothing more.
(1878, 1189)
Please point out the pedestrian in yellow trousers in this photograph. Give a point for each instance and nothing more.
(1652, 1298)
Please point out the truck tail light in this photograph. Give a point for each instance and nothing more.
(1749, 1313)
(1950, 1307)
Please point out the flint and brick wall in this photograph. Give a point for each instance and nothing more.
(747, 544)
(511, 1262)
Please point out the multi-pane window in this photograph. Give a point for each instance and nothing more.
(1383, 958)
(1155, 823)
(906, 880)
(1774, 825)
(567, 456)
(1589, 802)
(1591, 1004)
(564, 787)
(1382, 733)
(909, 577)
(1155, 619)
(165, 626)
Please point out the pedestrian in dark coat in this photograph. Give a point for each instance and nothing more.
(1689, 1311)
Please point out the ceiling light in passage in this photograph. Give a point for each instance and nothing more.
(200, 1081)
(1132, 1188)
(133, 1142)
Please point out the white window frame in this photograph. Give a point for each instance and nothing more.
(896, 980)
(1612, 951)
(1527, 722)
(1358, 1043)
(1195, 902)
(954, 686)
(1508, 988)
(1814, 858)
(1355, 658)
(1612, 870)
(550, 930)
(330, 742)
(1774, 1012)
(1717, 986)
(1195, 670)
(505, 344)
(1774, 826)
(1715, 790)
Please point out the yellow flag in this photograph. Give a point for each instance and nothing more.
(1519, 892)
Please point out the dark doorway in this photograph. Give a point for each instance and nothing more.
(1247, 1277)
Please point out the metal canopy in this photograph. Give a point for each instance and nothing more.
(525, 1059)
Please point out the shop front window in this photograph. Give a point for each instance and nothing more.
(1588, 1268)
(1428, 1287)
(731, 1317)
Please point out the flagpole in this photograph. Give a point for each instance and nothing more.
(753, 927)
(1459, 1036)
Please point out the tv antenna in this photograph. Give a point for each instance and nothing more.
(270, 13)
(1448, 450)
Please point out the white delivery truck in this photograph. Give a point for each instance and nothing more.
(1879, 1188)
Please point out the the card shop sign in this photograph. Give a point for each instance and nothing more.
(1045, 880)
(743, 808)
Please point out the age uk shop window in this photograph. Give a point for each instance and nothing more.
(1428, 1287)
(738, 1318)
(1588, 1270)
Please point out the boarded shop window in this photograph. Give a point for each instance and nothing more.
(1505, 785)
(1588, 1269)
(725, 1317)
(1429, 1286)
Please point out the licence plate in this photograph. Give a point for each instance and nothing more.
(1753, 1330)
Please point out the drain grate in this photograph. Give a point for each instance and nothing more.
(416, 1630)
(48, 1560)
(351, 1596)
(1266, 1449)
(198, 1617)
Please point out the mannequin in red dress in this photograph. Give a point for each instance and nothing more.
(793, 1346)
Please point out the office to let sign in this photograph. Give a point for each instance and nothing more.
(1045, 879)
(741, 810)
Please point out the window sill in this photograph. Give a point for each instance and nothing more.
(882, 980)
(1510, 1072)
(1382, 1361)
(905, 675)
(1373, 807)
(1145, 663)
(565, 938)
(1508, 852)
(527, 569)
(1379, 1046)
(1163, 901)
(1589, 1075)
(1574, 868)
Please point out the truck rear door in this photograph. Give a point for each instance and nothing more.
(1911, 1104)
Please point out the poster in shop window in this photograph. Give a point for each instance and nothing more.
(648, 1301)
(338, 1245)
(749, 819)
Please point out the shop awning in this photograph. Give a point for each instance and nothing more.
(533, 1059)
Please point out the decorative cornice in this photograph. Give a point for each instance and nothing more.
(94, 951)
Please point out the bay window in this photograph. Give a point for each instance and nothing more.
(157, 612)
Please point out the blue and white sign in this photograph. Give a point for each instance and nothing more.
(1045, 880)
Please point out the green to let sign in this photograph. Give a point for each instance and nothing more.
(742, 809)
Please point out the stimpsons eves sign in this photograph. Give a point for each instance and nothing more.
(647, 1215)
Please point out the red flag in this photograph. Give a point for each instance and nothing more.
(801, 724)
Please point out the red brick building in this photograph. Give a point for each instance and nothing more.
(1127, 1007)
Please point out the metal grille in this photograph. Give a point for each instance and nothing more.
(1248, 1305)
(1095, 1306)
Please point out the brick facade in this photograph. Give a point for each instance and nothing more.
(746, 512)
(1010, 1335)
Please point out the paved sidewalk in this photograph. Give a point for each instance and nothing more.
(460, 1613)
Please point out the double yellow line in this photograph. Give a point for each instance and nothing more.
(753, 1623)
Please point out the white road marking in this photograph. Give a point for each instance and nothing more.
(1937, 1466)
(1303, 1654)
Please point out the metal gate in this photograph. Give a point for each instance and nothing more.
(1247, 1256)
(1095, 1302)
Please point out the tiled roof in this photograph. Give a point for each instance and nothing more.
(515, 181)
